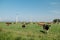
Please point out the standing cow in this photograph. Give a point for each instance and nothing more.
(46, 27)
(8, 23)
(23, 25)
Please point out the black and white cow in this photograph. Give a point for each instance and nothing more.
(46, 27)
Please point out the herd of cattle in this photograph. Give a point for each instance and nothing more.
(44, 25)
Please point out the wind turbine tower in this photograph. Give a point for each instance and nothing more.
(16, 19)
(31, 19)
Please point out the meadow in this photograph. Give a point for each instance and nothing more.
(30, 32)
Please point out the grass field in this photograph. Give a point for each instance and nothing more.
(31, 32)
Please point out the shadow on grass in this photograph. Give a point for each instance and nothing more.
(43, 31)
(18, 38)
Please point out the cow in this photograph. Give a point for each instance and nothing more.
(23, 25)
(41, 23)
(46, 27)
(14, 22)
(8, 23)
(27, 23)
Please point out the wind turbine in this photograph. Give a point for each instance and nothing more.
(16, 19)
(31, 19)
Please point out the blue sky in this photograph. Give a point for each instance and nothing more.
(26, 10)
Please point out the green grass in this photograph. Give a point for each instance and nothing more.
(31, 32)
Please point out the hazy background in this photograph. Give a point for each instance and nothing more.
(27, 10)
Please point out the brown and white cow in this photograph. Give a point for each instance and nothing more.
(45, 26)
(41, 23)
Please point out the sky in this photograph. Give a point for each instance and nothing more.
(29, 10)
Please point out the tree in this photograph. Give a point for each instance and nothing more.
(56, 21)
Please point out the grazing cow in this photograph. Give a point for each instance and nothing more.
(8, 23)
(14, 22)
(46, 27)
(49, 22)
(26, 23)
(33, 22)
(41, 23)
(23, 26)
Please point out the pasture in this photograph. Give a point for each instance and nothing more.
(30, 32)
